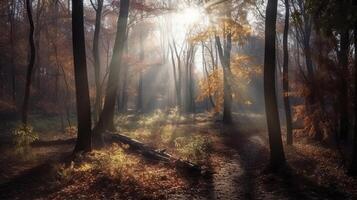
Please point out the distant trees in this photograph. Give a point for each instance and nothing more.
(84, 140)
(30, 64)
(277, 157)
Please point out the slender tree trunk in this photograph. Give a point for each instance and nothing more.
(139, 106)
(343, 92)
(277, 157)
(37, 35)
(207, 74)
(191, 83)
(13, 67)
(353, 166)
(311, 103)
(96, 57)
(31, 63)
(177, 75)
(289, 131)
(106, 118)
(84, 139)
(139, 102)
(224, 56)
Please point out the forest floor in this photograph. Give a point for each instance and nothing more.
(233, 158)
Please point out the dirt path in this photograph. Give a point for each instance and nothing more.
(237, 159)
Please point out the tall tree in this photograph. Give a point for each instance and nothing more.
(342, 9)
(12, 8)
(84, 140)
(304, 27)
(289, 131)
(139, 102)
(353, 167)
(177, 73)
(31, 63)
(277, 157)
(225, 57)
(106, 118)
(96, 57)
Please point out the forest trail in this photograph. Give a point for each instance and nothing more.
(236, 160)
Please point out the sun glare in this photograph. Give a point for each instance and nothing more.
(190, 16)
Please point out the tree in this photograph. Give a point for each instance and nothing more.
(303, 20)
(353, 167)
(277, 157)
(289, 131)
(84, 139)
(177, 73)
(106, 118)
(12, 7)
(225, 57)
(30, 65)
(342, 10)
(96, 57)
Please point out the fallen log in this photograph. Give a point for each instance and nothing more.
(151, 153)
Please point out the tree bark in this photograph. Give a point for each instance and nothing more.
(13, 67)
(353, 167)
(84, 139)
(30, 65)
(106, 118)
(96, 57)
(139, 102)
(343, 92)
(277, 157)
(225, 57)
(177, 74)
(289, 131)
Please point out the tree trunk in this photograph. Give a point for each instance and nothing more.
(107, 115)
(206, 72)
(353, 166)
(289, 131)
(311, 99)
(84, 139)
(13, 67)
(177, 74)
(277, 157)
(37, 36)
(139, 102)
(139, 106)
(225, 57)
(31, 63)
(343, 92)
(96, 57)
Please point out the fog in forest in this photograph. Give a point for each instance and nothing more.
(178, 99)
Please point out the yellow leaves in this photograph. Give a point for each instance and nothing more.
(243, 68)
(212, 86)
(85, 167)
(242, 71)
(239, 32)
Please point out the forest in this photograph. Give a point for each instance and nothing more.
(178, 99)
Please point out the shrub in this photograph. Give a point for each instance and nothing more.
(194, 148)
